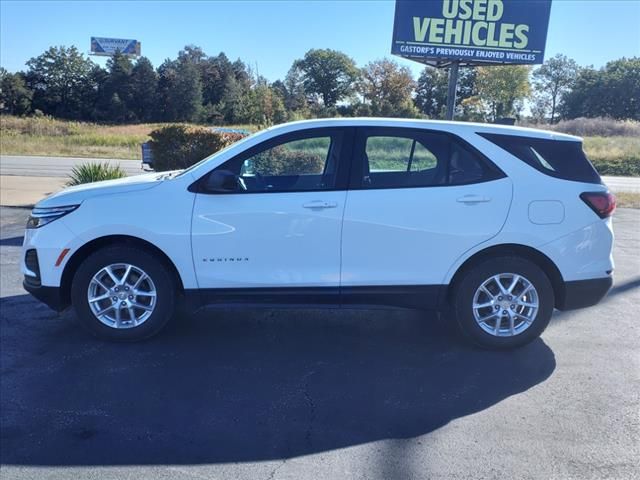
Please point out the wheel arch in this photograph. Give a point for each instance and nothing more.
(96, 244)
(536, 256)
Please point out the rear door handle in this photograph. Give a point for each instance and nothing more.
(320, 204)
(474, 199)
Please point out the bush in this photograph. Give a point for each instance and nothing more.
(94, 172)
(282, 161)
(179, 146)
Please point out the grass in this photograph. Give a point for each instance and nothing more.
(48, 136)
(614, 155)
(611, 155)
(628, 200)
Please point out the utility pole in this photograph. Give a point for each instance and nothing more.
(451, 94)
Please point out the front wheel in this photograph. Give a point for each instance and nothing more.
(504, 302)
(123, 293)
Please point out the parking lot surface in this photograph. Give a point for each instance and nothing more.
(308, 394)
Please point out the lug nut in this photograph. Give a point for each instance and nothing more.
(131, 297)
(127, 289)
(115, 299)
(509, 297)
(504, 312)
(499, 298)
(497, 307)
(512, 307)
(123, 303)
(116, 289)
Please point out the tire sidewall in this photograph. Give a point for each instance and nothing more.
(161, 277)
(472, 279)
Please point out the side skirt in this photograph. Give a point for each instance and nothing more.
(427, 297)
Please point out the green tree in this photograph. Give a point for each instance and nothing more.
(144, 90)
(502, 89)
(328, 74)
(432, 89)
(115, 100)
(612, 91)
(387, 88)
(15, 97)
(179, 91)
(552, 79)
(62, 81)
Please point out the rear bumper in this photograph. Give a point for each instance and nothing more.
(584, 293)
(50, 296)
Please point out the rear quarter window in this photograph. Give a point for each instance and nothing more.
(557, 158)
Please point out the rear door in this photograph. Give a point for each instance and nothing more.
(417, 201)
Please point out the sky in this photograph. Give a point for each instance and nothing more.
(270, 35)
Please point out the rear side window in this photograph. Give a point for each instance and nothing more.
(404, 158)
(557, 158)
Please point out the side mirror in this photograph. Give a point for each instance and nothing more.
(221, 181)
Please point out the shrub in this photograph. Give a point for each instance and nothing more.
(94, 172)
(281, 161)
(179, 146)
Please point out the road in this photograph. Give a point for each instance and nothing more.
(61, 166)
(308, 394)
(38, 166)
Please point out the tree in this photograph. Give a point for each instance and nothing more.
(552, 79)
(144, 90)
(612, 91)
(387, 87)
(115, 100)
(432, 89)
(328, 74)
(15, 97)
(502, 88)
(179, 91)
(62, 80)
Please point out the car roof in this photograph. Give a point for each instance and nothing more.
(447, 126)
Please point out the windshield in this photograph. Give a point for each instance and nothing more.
(235, 144)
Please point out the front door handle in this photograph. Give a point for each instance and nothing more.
(320, 204)
(471, 199)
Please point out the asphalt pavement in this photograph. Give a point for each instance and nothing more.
(310, 394)
(40, 166)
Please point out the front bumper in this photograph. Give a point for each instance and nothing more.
(583, 293)
(50, 296)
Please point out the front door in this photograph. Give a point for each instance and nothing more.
(281, 227)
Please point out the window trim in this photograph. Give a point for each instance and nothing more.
(359, 150)
(343, 159)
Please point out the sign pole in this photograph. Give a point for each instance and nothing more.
(451, 94)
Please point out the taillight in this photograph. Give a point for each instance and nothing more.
(603, 203)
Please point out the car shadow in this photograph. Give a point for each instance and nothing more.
(11, 241)
(239, 386)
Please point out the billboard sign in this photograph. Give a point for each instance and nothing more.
(108, 46)
(471, 32)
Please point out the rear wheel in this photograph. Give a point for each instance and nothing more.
(123, 293)
(504, 302)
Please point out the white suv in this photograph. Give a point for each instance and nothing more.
(498, 224)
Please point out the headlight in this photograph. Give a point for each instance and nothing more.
(42, 216)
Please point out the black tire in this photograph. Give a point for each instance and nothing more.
(473, 278)
(162, 278)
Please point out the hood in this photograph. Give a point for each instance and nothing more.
(75, 195)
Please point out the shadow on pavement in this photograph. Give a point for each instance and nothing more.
(11, 242)
(237, 386)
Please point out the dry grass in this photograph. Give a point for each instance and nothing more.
(48, 136)
(628, 200)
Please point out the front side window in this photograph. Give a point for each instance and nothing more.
(296, 164)
(418, 159)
